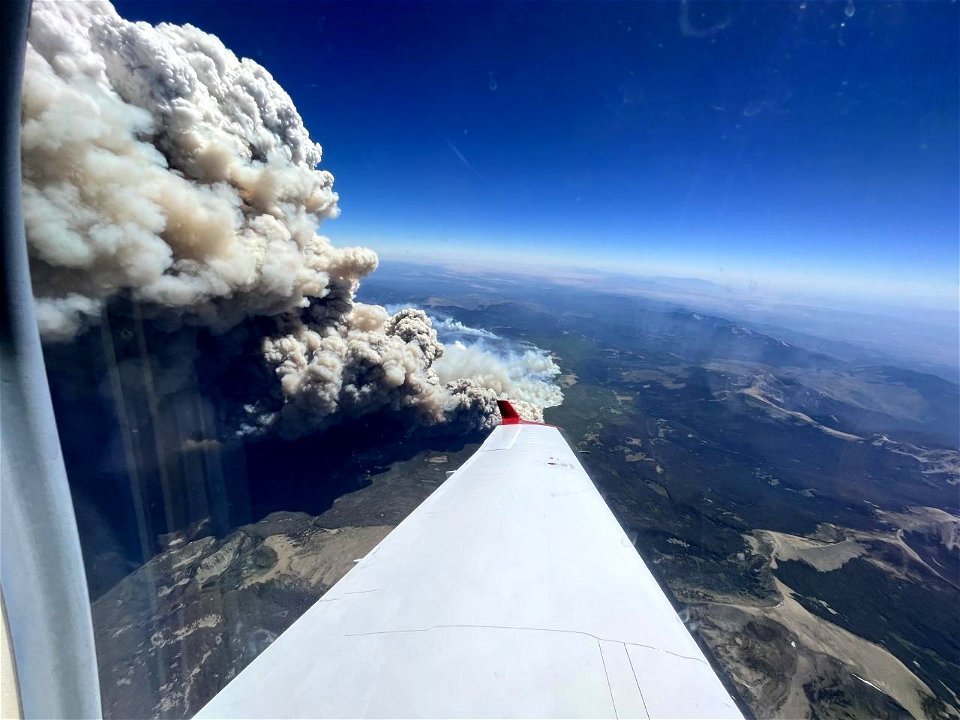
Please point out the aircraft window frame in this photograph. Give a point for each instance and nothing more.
(43, 581)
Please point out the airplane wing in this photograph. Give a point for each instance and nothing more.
(512, 591)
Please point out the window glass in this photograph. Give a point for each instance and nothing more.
(714, 242)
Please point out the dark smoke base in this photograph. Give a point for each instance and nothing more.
(152, 448)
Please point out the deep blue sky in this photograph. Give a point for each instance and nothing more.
(781, 142)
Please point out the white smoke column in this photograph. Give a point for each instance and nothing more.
(159, 166)
(156, 162)
(527, 377)
(520, 372)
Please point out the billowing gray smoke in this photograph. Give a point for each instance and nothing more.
(161, 168)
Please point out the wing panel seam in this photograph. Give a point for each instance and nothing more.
(636, 680)
(455, 626)
(606, 674)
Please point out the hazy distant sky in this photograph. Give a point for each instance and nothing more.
(781, 142)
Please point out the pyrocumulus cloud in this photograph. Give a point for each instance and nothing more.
(158, 166)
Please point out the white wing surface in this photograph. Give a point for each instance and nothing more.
(512, 591)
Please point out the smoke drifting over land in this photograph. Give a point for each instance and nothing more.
(517, 370)
(160, 168)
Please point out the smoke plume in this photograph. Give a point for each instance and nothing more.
(525, 374)
(160, 168)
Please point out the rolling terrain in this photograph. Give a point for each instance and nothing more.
(802, 509)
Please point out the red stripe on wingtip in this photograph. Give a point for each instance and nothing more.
(507, 411)
(510, 416)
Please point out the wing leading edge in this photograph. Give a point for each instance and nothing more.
(512, 591)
